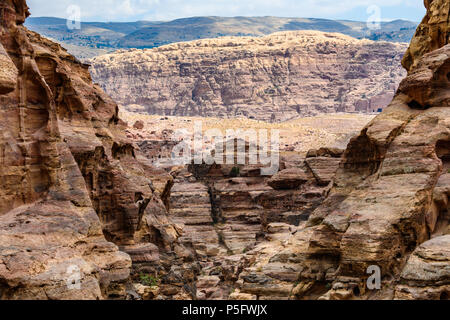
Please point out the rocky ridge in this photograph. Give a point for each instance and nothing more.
(272, 78)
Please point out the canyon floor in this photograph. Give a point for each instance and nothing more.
(296, 136)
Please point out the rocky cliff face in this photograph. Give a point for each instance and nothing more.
(72, 188)
(227, 216)
(273, 78)
(431, 33)
(82, 204)
(388, 207)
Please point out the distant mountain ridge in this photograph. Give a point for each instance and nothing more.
(103, 36)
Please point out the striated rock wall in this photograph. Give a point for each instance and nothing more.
(76, 194)
(73, 189)
(227, 216)
(233, 217)
(272, 78)
(389, 197)
(47, 224)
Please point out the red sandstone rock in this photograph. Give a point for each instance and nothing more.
(389, 196)
(72, 188)
(139, 125)
(273, 78)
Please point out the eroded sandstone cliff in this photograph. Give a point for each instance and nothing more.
(388, 207)
(272, 78)
(72, 188)
(77, 197)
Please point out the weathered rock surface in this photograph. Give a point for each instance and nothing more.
(273, 78)
(288, 179)
(229, 213)
(72, 188)
(228, 216)
(8, 73)
(426, 276)
(48, 228)
(389, 197)
(433, 31)
(190, 206)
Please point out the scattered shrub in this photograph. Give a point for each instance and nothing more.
(148, 280)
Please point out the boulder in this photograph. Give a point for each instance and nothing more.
(8, 72)
(288, 179)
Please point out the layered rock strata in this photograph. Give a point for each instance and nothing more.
(389, 196)
(85, 214)
(272, 78)
(72, 188)
(228, 214)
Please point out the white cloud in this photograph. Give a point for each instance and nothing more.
(128, 10)
(106, 9)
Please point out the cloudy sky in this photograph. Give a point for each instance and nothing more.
(133, 10)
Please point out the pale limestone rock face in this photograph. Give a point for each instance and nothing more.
(272, 78)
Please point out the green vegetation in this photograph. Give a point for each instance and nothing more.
(408, 170)
(148, 280)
